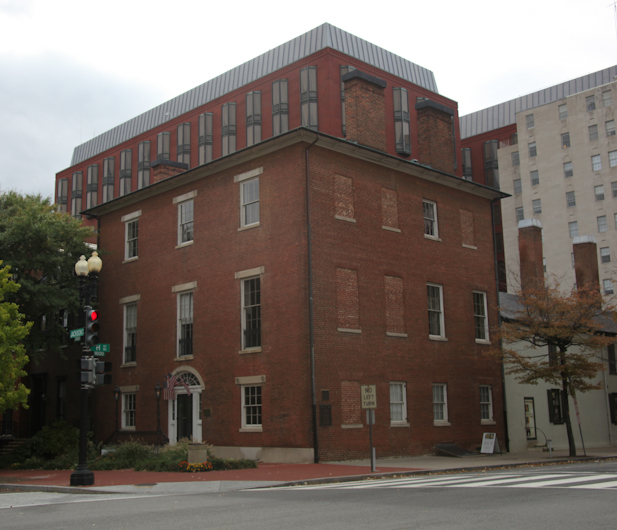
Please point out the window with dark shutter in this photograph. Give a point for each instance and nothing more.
(555, 414)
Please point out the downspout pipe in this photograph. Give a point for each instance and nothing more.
(98, 228)
(309, 236)
(503, 376)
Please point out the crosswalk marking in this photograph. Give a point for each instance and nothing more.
(562, 481)
(591, 481)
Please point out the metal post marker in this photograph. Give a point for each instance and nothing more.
(370, 419)
(368, 399)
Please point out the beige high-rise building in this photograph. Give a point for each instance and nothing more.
(563, 172)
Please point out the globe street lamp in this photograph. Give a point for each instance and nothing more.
(82, 476)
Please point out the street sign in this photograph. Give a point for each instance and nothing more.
(76, 333)
(100, 348)
(368, 396)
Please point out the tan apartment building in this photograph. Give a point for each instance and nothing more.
(561, 169)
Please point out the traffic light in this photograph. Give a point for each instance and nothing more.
(100, 377)
(92, 328)
(87, 370)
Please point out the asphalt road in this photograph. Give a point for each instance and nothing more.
(566, 497)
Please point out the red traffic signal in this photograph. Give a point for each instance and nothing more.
(92, 328)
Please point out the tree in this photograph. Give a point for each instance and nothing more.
(42, 246)
(12, 352)
(570, 327)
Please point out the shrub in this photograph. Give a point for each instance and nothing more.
(53, 440)
(221, 464)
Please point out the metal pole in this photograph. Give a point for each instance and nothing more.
(371, 419)
(82, 476)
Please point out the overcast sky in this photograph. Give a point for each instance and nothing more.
(73, 69)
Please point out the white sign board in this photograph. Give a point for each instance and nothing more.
(490, 444)
(368, 396)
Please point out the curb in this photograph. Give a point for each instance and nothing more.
(352, 478)
(55, 489)
(326, 480)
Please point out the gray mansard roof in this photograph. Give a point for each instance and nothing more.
(324, 36)
(504, 114)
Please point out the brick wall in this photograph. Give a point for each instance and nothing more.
(436, 136)
(361, 253)
(586, 262)
(531, 254)
(365, 117)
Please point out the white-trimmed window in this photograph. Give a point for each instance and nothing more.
(529, 121)
(129, 402)
(599, 192)
(563, 111)
(602, 223)
(185, 324)
(184, 316)
(185, 222)
(251, 313)
(518, 186)
(440, 404)
(537, 206)
(593, 132)
(430, 219)
(610, 128)
(596, 162)
(535, 177)
(570, 199)
(435, 311)
(573, 228)
(131, 231)
(590, 102)
(533, 150)
(398, 403)
(568, 170)
(249, 199)
(130, 333)
(607, 98)
(520, 213)
(480, 313)
(608, 286)
(612, 158)
(251, 407)
(486, 404)
(605, 255)
(565, 140)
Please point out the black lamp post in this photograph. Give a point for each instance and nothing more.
(82, 476)
(157, 394)
(117, 398)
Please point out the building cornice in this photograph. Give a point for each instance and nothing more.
(293, 137)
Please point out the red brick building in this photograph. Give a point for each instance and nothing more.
(279, 279)
(282, 235)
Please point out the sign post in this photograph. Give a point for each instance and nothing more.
(368, 397)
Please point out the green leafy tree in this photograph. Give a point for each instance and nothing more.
(42, 246)
(572, 325)
(13, 357)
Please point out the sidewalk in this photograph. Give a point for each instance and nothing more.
(145, 482)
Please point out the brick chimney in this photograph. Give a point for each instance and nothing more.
(435, 135)
(586, 262)
(163, 169)
(365, 109)
(530, 253)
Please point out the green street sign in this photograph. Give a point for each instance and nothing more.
(76, 333)
(100, 348)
